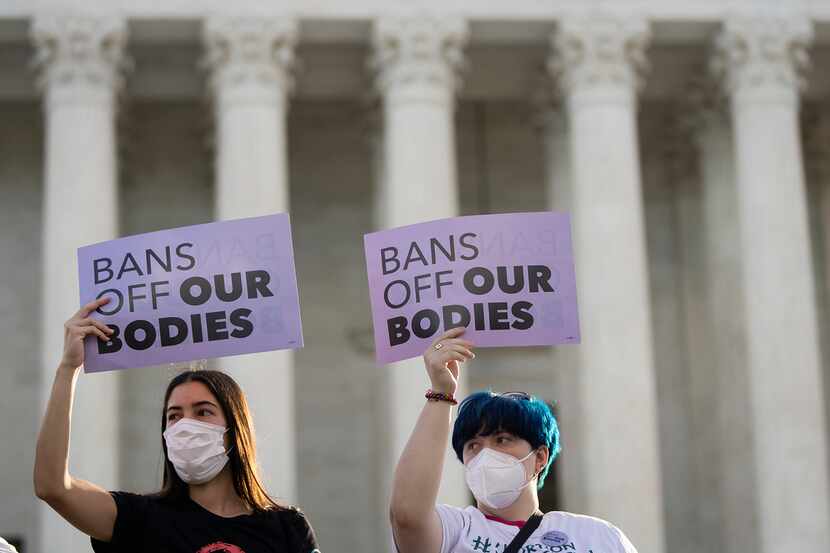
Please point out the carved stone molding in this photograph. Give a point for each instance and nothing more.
(548, 113)
(704, 107)
(418, 58)
(603, 54)
(815, 134)
(371, 123)
(79, 59)
(678, 148)
(763, 58)
(250, 59)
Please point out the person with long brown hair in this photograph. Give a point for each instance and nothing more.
(212, 499)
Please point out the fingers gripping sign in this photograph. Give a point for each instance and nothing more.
(443, 358)
(77, 328)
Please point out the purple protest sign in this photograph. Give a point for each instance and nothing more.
(193, 292)
(508, 278)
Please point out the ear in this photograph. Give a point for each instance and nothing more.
(542, 456)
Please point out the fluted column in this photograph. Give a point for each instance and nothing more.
(551, 119)
(373, 124)
(816, 133)
(250, 62)
(762, 60)
(79, 61)
(598, 62)
(416, 60)
(685, 377)
(727, 514)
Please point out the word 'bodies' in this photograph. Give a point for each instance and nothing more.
(507, 278)
(195, 292)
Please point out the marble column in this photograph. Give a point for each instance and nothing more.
(685, 378)
(728, 515)
(598, 63)
(250, 62)
(551, 119)
(416, 60)
(762, 61)
(816, 134)
(373, 121)
(79, 61)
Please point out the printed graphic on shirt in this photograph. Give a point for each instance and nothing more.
(468, 530)
(221, 547)
(488, 545)
(555, 537)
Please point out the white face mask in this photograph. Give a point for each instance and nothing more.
(495, 478)
(196, 449)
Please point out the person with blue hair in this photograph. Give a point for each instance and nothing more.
(507, 442)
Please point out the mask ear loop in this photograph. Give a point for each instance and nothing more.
(535, 474)
(228, 449)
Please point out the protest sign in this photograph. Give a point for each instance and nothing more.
(193, 292)
(508, 278)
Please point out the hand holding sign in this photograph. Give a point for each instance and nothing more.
(442, 359)
(508, 279)
(79, 327)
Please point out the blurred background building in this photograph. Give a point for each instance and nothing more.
(689, 140)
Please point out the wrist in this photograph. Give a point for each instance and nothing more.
(67, 368)
(443, 388)
(438, 396)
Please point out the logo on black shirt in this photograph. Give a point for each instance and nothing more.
(221, 547)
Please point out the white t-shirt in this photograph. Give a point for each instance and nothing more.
(469, 531)
(6, 547)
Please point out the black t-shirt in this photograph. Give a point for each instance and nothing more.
(147, 524)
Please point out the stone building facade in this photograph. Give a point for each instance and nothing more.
(689, 140)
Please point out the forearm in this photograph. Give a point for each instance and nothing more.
(418, 474)
(51, 473)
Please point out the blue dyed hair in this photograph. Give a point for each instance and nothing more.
(485, 413)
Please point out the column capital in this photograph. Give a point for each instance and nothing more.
(603, 56)
(547, 106)
(762, 58)
(815, 130)
(372, 122)
(704, 108)
(250, 59)
(418, 58)
(677, 145)
(79, 59)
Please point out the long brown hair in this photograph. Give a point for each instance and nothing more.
(242, 454)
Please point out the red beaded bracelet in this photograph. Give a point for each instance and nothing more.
(440, 396)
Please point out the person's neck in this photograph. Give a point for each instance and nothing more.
(521, 510)
(219, 496)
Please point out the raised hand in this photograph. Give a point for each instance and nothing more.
(443, 358)
(79, 327)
